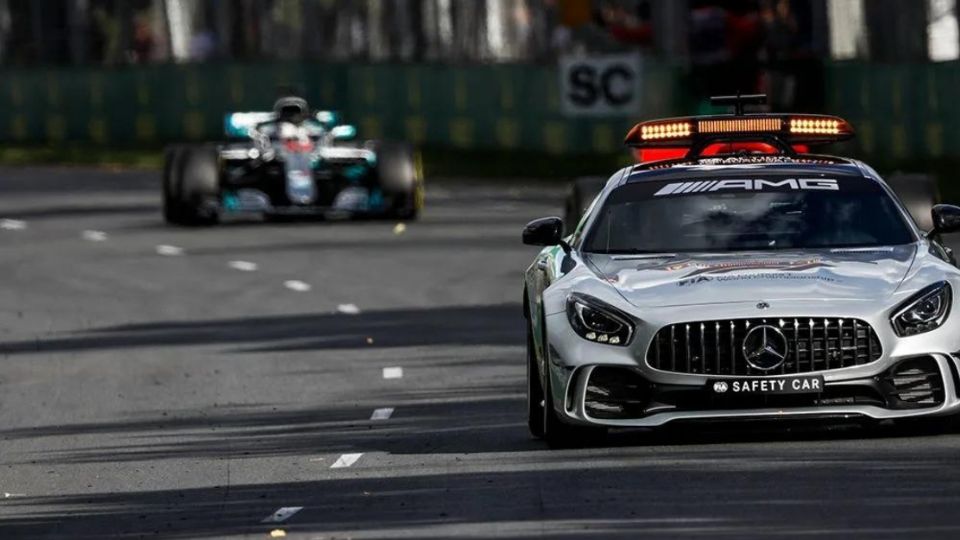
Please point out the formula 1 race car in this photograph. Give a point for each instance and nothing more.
(732, 274)
(290, 162)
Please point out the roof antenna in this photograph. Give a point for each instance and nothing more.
(739, 101)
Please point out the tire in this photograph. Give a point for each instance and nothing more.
(172, 211)
(194, 186)
(535, 419)
(919, 193)
(582, 193)
(400, 176)
(556, 433)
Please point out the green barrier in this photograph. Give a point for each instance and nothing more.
(901, 112)
(495, 107)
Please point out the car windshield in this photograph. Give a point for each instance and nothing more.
(737, 214)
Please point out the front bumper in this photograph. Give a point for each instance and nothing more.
(863, 391)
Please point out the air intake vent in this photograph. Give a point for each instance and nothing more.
(614, 392)
(916, 383)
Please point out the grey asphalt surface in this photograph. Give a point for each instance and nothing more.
(144, 395)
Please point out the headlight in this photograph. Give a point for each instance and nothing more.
(924, 312)
(595, 321)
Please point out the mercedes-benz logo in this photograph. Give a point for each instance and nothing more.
(765, 347)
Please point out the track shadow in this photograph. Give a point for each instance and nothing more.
(458, 325)
(742, 493)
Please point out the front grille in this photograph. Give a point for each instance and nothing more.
(915, 383)
(716, 347)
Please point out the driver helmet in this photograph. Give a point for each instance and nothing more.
(291, 109)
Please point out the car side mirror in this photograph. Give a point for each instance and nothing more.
(544, 232)
(946, 219)
(344, 132)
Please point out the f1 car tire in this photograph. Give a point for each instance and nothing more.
(582, 193)
(172, 211)
(400, 175)
(919, 193)
(192, 190)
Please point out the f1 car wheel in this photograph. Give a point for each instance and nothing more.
(195, 186)
(172, 210)
(582, 193)
(400, 175)
(919, 193)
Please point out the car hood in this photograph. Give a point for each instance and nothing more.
(691, 279)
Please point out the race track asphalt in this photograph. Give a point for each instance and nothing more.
(191, 383)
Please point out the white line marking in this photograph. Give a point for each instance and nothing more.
(94, 236)
(243, 266)
(392, 372)
(8, 495)
(348, 309)
(12, 224)
(282, 514)
(345, 460)
(295, 285)
(382, 414)
(169, 251)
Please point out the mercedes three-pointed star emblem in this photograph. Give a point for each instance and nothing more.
(765, 347)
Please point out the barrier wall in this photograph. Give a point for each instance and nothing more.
(900, 111)
(495, 107)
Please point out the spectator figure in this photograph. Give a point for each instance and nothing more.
(143, 42)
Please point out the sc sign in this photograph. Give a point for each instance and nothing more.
(606, 85)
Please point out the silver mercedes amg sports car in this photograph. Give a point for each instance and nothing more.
(746, 278)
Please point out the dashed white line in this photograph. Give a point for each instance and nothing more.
(282, 514)
(348, 309)
(94, 236)
(169, 251)
(382, 414)
(295, 285)
(12, 224)
(392, 372)
(243, 266)
(345, 460)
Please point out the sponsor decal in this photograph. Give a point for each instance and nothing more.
(782, 269)
(757, 184)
